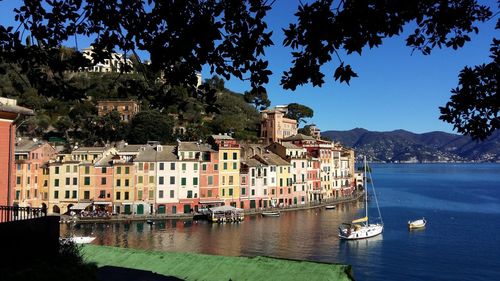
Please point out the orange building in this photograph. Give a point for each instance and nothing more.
(275, 126)
(9, 112)
(31, 155)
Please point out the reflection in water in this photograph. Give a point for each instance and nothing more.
(310, 234)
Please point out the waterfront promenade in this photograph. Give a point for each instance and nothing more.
(189, 266)
(189, 216)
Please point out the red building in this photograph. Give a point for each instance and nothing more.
(9, 112)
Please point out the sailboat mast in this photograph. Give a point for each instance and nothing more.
(366, 190)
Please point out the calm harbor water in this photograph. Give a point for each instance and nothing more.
(461, 242)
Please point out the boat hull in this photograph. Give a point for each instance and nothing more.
(417, 224)
(362, 233)
(330, 207)
(270, 214)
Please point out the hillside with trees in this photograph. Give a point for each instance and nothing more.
(69, 113)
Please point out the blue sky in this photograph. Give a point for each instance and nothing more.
(394, 90)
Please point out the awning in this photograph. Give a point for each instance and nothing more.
(102, 203)
(212, 202)
(80, 206)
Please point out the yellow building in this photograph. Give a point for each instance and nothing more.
(229, 168)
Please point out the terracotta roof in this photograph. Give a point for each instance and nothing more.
(193, 146)
(222, 137)
(27, 145)
(298, 137)
(91, 149)
(273, 159)
(253, 163)
(5, 106)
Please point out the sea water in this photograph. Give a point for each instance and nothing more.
(461, 203)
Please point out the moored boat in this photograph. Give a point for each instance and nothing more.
(271, 214)
(361, 228)
(420, 223)
(78, 239)
(330, 207)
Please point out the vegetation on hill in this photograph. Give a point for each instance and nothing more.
(213, 109)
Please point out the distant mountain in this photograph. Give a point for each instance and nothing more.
(404, 146)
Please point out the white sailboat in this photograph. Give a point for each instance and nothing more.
(361, 228)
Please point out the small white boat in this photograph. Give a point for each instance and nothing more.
(271, 214)
(78, 239)
(330, 207)
(417, 223)
(151, 222)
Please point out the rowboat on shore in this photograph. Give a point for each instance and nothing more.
(420, 223)
(271, 214)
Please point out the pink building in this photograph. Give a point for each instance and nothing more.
(9, 112)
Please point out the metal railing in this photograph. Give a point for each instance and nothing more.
(16, 213)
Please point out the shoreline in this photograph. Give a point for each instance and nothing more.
(252, 212)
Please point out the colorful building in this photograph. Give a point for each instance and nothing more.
(229, 168)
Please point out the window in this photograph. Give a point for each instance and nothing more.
(56, 182)
(151, 194)
(190, 194)
(223, 192)
(216, 167)
(18, 167)
(66, 194)
(235, 155)
(139, 179)
(18, 180)
(172, 193)
(75, 181)
(126, 195)
(141, 166)
(243, 180)
(56, 194)
(151, 179)
(102, 194)
(103, 170)
(230, 192)
(235, 166)
(230, 180)
(87, 170)
(118, 170)
(209, 193)
(18, 194)
(118, 182)
(160, 180)
(210, 180)
(272, 191)
(68, 181)
(172, 166)
(67, 168)
(151, 166)
(253, 182)
(253, 192)
(281, 182)
(127, 170)
(126, 182)
(74, 194)
(195, 181)
(225, 156)
(281, 190)
(75, 169)
(224, 166)
(162, 166)
(56, 170)
(86, 194)
(160, 194)
(139, 195)
(183, 166)
(253, 172)
(183, 181)
(172, 180)
(243, 191)
(86, 181)
(204, 167)
(195, 166)
(118, 195)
